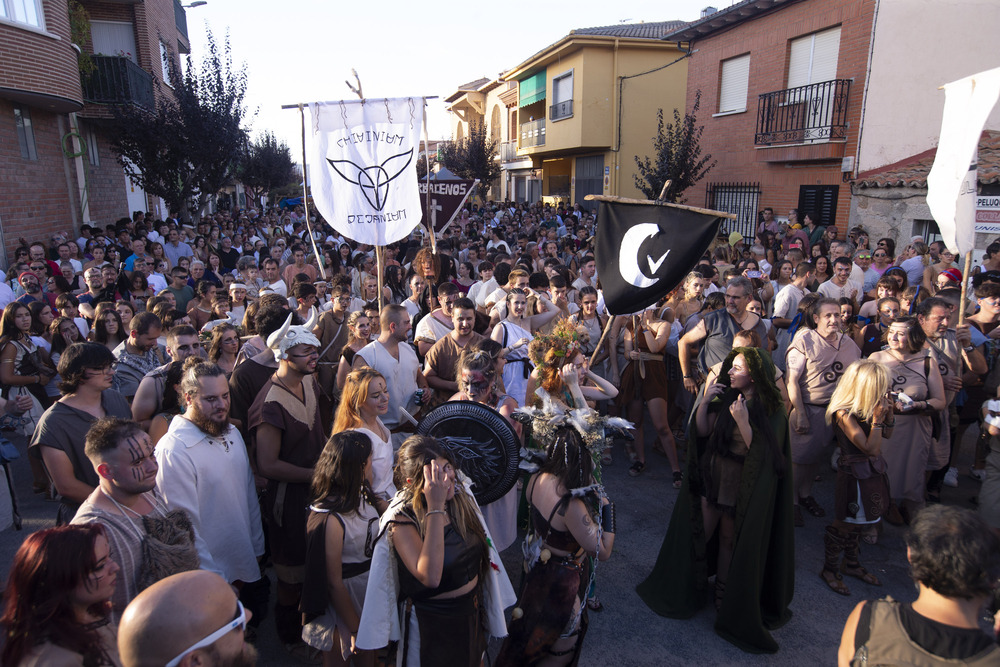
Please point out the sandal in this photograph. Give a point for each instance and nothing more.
(870, 535)
(606, 459)
(835, 581)
(678, 479)
(593, 604)
(858, 571)
(636, 469)
(812, 506)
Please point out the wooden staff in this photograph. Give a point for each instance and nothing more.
(380, 268)
(604, 334)
(427, 180)
(965, 286)
(625, 200)
(305, 196)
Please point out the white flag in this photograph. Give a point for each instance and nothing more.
(951, 185)
(363, 166)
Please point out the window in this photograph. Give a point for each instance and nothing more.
(166, 63)
(819, 201)
(25, 134)
(743, 199)
(928, 229)
(813, 58)
(733, 84)
(113, 38)
(90, 142)
(28, 12)
(562, 96)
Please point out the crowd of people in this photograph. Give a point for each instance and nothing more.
(210, 401)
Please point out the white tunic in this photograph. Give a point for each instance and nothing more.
(514, 377)
(216, 488)
(382, 460)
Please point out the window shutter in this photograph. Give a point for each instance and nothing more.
(813, 58)
(826, 49)
(734, 81)
(562, 89)
(112, 38)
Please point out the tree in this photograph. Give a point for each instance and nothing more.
(267, 165)
(190, 145)
(677, 156)
(474, 157)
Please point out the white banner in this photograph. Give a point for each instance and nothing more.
(363, 166)
(951, 185)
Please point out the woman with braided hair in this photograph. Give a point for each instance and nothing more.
(563, 371)
(733, 518)
(572, 522)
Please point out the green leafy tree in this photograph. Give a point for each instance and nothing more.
(677, 157)
(474, 157)
(266, 166)
(191, 145)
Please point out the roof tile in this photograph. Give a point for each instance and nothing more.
(912, 172)
(655, 30)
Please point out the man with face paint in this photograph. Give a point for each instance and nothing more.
(123, 502)
(816, 359)
(441, 361)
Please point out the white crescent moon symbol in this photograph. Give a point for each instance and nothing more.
(628, 256)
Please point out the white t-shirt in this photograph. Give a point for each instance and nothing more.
(831, 291)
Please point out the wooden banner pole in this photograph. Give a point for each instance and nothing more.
(305, 197)
(604, 335)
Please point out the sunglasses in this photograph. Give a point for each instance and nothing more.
(239, 622)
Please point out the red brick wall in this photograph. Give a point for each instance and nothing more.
(730, 139)
(106, 181)
(39, 63)
(34, 198)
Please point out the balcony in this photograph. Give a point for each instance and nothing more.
(180, 19)
(508, 151)
(118, 80)
(533, 133)
(561, 110)
(816, 113)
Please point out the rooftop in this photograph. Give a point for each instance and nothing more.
(655, 30)
(724, 18)
(912, 172)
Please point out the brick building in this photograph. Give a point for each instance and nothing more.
(57, 170)
(782, 85)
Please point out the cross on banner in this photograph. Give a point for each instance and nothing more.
(448, 196)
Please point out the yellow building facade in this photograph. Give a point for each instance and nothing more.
(577, 113)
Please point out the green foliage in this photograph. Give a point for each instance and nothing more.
(266, 165)
(677, 156)
(79, 34)
(192, 144)
(474, 157)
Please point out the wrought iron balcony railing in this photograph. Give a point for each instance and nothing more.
(533, 133)
(118, 80)
(561, 110)
(813, 113)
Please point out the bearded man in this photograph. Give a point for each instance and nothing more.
(288, 434)
(205, 470)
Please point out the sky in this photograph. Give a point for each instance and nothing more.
(301, 51)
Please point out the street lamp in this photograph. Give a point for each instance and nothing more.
(196, 3)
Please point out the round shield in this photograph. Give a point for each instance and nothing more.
(482, 442)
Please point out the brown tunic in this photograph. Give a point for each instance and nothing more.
(302, 441)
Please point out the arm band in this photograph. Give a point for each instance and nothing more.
(608, 518)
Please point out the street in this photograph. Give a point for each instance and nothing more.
(626, 633)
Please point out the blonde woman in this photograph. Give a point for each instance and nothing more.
(364, 400)
(861, 412)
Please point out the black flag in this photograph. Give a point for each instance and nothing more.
(643, 251)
